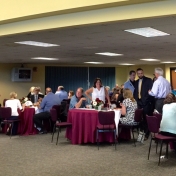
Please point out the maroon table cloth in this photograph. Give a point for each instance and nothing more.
(84, 123)
(26, 125)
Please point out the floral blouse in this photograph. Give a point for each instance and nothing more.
(130, 111)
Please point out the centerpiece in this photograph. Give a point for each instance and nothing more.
(24, 100)
(97, 104)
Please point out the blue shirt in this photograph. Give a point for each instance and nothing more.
(75, 100)
(62, 94)
(168, 122)
(49, 101)
(161, 88)
(129, 85)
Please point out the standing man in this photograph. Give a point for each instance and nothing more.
(47, 103)
(36, 96)
(130, 84)
(144, 100)
(161, 88)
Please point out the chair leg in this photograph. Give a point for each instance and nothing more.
(160, 152)
(115, 138)
(133, 137)
(54, 128)
(11, 130)
(57, 136)
(167, 150)
(156, 146)
(97, 140)
(149, 148)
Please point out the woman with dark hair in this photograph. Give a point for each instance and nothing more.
(98, 91)
(168, 122)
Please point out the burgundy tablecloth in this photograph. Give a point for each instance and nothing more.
(26, 125)
(84, 123)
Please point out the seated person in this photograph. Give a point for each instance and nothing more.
(14, 104)
(129, 106)
(78, 100)
(61, 93)
(168, 122)
(120, 99)
(115, 95)
(47, 103)
(36, 96)
(70, 94)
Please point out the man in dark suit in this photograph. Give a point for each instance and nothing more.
(36, 96)
(144, 100)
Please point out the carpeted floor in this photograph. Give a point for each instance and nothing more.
(36, 155)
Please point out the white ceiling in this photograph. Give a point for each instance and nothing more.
(80, 43)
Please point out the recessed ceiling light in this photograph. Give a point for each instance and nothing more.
(125, 64)
(168, 62)
(152, 60)
(109, 54)
(33, 43)
(94, 62)
(44, 58)
(147, 32)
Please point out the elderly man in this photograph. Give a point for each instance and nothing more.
(61, 93)
(131, 82)
(78, 100)
(36, 96)
(47, 103)
(161, 88)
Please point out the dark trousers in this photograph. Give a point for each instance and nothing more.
(38, 118)
(147, 110)
(159, 104)
(15, 125)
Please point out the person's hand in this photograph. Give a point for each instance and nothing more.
(83, 99)
(149, 91)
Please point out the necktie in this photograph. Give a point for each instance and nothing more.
(36, 99)
(139, 88)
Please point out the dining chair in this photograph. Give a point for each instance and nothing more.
(5, 114)
(137, 118)
(153, 126)
(57, 124)
(106, 124)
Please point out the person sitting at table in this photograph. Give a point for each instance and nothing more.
(47, 103)
(78, 100)
(14, 104)
(115, 94)
(168, 122)
(98, 91)
(70, 94)
(31, 92)
(120, 99)
(36, 96)
(129, 106)
(61, 93)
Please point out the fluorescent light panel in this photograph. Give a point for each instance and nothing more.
(109, 54)
(94, 62)
(147, 32)
(44, 58)
(151, 60)
(168, 62)
(34, 43)
(126, 64)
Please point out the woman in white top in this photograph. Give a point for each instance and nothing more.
(14, 104)
(98, 91)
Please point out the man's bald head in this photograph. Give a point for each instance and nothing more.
(48, 90)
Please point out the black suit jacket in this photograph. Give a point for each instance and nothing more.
(39, 96)
(147, 84)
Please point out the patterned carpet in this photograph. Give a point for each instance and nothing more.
(36, 155)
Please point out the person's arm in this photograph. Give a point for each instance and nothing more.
(78, 105)
(88, 92)
(155, 89)
(43, 103)
(107, 96)
(19, 105)
(123, 111)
